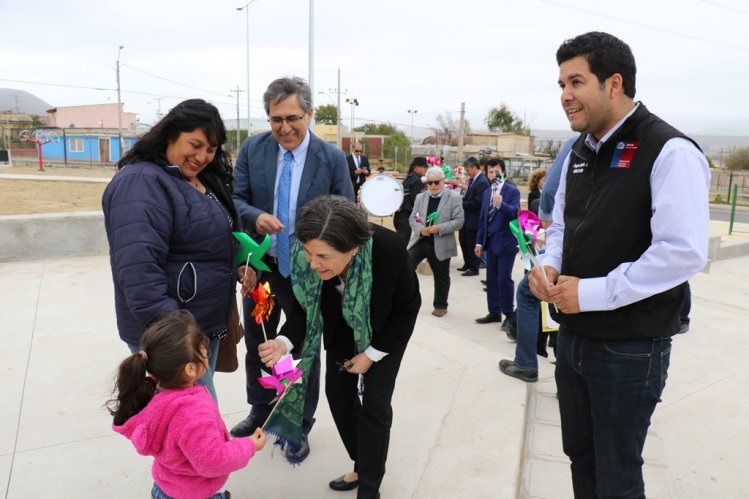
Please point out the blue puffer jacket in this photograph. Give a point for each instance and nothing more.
(170, 247)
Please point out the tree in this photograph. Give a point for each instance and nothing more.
(738, 159)
(502, 119)
(448, 129)
(402, 142)
(377, 129)
(327, 114)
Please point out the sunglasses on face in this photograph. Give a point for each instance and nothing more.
(433, 182)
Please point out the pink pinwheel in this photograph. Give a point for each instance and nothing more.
(530, 223)
(284, 374)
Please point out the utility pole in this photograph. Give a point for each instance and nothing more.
(119, 105)
(237, 91)
(312, 56)
(461, 135)
(338, 134)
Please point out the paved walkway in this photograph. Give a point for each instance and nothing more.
(461, 428)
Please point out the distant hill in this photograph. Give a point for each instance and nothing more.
(22, 102)
(712, 145)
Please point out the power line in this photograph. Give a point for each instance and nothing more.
(726, 7)
(662, 30)
(172, 81)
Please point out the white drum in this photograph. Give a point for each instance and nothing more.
(381, 195)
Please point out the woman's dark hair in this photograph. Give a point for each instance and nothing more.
(168, 345)
(605, 54)
(187, 116)
(335, 220)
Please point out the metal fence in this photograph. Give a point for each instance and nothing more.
(722, 182)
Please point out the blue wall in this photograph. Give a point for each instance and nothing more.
(55, 151)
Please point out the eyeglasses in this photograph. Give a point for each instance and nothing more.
(433, 182)
(357, 152)
(278, 120)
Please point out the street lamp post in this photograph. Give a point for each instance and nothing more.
(412, 112)
(354, 102)
(246, 8)
(119, 104)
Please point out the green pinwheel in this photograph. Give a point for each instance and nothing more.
(432, 217)
(251, 252)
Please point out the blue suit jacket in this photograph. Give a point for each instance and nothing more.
(472, 201)
(495, 235)
(325, 172)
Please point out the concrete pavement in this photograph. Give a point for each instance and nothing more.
(460, 429)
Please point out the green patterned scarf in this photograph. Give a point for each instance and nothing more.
(286, 420)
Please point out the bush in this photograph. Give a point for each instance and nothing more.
(738, 160)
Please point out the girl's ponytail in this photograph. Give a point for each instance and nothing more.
(133, 388)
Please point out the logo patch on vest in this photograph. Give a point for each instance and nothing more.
(579, 167)
(623, 154)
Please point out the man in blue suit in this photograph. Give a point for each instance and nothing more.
(277, 173)
(500, 205)
(477, 184)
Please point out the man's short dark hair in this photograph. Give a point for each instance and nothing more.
(471, 162)
(606, 55)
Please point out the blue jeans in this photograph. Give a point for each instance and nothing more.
(528, 314)
(207, 379)
(607, 393)
(157, 493)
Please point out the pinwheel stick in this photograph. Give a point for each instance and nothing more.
(275, 407)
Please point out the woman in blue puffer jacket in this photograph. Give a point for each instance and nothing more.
(169, 216)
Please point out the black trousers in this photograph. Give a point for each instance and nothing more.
(467, 239)
(402, 227)
(257, 396)
(363, 425)
(440, 269)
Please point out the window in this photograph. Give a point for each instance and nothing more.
(75, 145)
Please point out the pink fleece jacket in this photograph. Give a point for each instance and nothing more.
(183, 430)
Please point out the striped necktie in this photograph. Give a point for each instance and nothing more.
(282, 238)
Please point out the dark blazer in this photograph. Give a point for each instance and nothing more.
(472, 201)
(358, 179)
(325, 173)
(495, 236)
(393, 308)
(170, 247)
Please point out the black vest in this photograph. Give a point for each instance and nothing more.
(607, 222)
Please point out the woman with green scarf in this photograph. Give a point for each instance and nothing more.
(357, 291)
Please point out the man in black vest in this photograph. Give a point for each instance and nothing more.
(630, 226)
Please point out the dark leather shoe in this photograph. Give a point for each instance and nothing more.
(248, 425)
(483, 281)
(470, 273)
(342, 485)
(462, 269)
(510, 330)
(488, 319)
(301, 454)
(509, 368)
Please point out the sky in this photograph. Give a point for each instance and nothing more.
(394, 55)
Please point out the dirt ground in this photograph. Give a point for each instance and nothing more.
(22, 197)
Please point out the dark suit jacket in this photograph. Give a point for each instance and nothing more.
(495, 236)
(472, 201)
(325, 172)
(393, 308)
(358, 179)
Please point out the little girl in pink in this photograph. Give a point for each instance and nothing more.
(170, 417)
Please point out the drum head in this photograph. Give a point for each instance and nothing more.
(381, 195)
